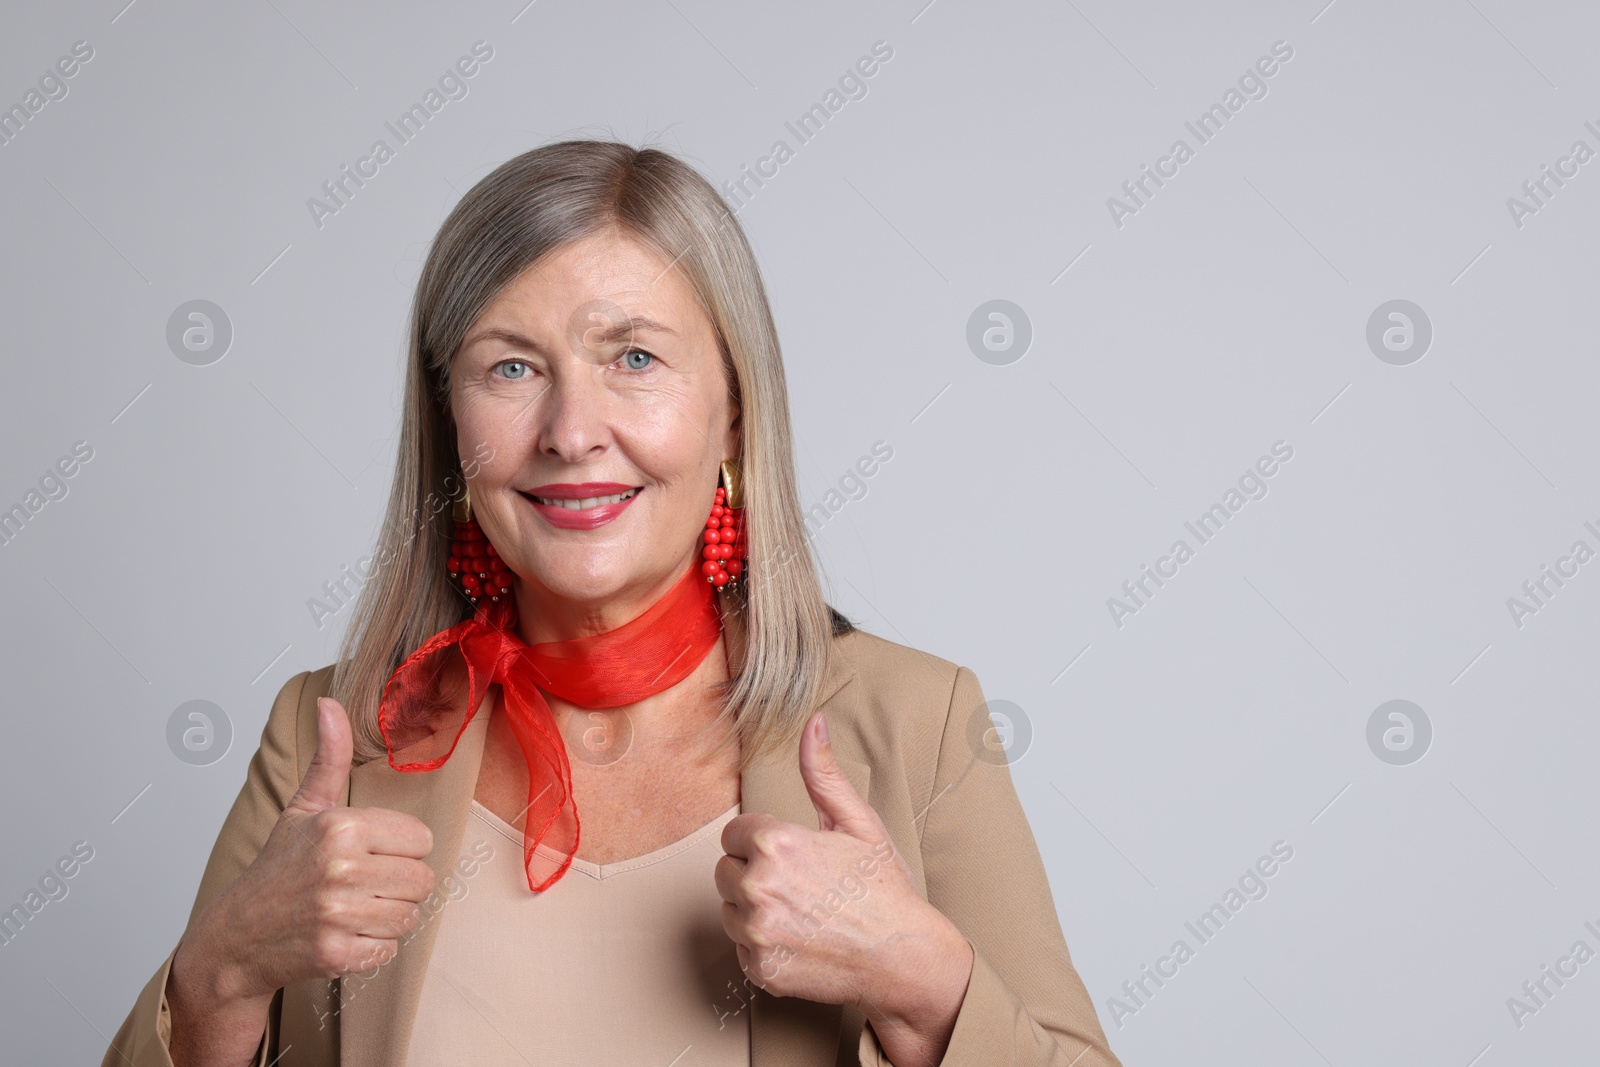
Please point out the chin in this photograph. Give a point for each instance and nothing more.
(584, 576)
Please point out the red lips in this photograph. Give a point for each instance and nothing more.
(590, 518)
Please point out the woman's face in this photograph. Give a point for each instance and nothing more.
(596, 374)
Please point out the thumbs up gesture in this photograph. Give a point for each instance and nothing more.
(330, 893)
(833, 915)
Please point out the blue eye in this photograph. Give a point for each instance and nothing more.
(632, 364)
(510, 364)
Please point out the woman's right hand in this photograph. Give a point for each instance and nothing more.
(330, 893)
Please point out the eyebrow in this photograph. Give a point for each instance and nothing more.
(621, 331)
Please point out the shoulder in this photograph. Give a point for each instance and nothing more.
(316, 684)
(908, 687)
(909, 719)
(300, 693)
(290, 733)
(879, 663)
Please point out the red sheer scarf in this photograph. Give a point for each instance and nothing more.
(432, 696)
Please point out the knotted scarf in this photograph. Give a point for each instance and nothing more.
(448, 677)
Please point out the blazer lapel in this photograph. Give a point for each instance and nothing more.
(790, 1031)
(377, 1009)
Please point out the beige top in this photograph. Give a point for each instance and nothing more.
(621, 963)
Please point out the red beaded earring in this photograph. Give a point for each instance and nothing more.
(474, 565)
(725, 550)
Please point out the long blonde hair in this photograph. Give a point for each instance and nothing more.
(526, 208)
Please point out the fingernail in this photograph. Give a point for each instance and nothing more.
(822, 730)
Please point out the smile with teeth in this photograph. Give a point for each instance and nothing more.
(585, 503)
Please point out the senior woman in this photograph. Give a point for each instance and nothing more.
(594, 594)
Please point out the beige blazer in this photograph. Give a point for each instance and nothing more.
(901, 725)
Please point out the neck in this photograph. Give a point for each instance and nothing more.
(544, 615)
(676, 718)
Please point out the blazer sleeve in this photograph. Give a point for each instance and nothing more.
(1025, 1004)
(271, 780)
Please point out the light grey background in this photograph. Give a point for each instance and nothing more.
(1229, 313)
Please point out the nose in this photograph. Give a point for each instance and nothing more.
(573, 421)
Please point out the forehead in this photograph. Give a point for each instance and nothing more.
(609, 267)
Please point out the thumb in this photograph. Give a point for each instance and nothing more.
(839, 806)
(323, 785)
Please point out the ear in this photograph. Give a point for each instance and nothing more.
(735, 435)
(730, 377)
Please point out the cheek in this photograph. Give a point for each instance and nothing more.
(677, 454)
(472, 423)
(484, 430)
(665, 438)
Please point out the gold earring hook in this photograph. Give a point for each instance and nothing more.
(733, 482)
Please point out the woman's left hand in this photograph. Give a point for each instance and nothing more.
(833, 915)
